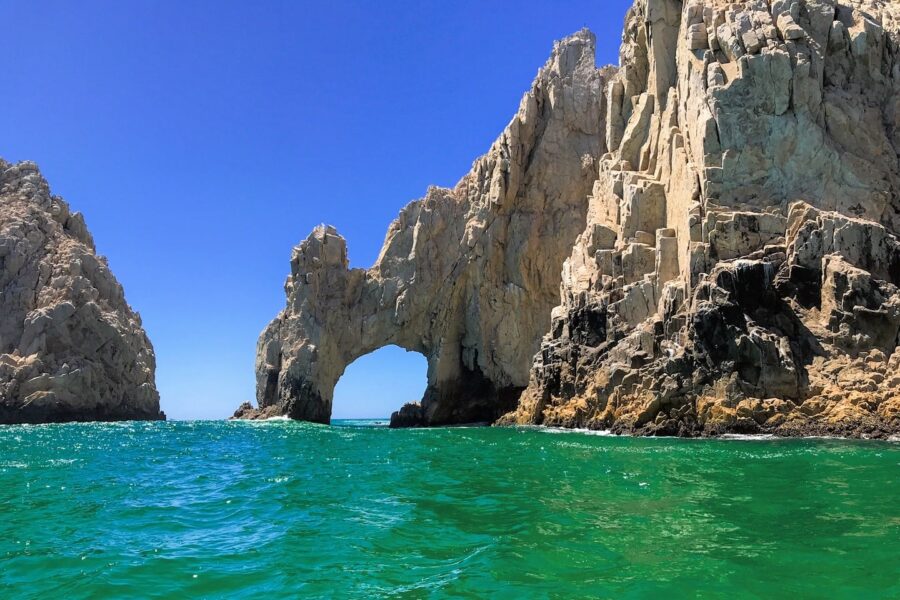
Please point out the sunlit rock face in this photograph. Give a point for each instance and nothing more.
(705, 237)
(739, 267)
(467, 276)
(71, 349)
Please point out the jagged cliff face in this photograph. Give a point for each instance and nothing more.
(467, 276)
(71, 349)
(739, 268)
(734, 268)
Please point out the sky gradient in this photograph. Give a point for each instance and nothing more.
(203, 140)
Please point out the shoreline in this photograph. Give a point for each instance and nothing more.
(735, 436)
(893, 438)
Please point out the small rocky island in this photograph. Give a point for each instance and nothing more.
(699, 241)
(71, 349)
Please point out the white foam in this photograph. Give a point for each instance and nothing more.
(581, 430)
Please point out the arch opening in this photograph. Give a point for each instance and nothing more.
(378, 383)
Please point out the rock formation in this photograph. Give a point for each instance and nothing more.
(71, 349)
(733, 269)
(467, 276)
(739, 268)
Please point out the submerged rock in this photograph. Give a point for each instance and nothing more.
(71, 349)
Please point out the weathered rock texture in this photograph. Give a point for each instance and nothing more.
(71, 349)
(736, 263)
(467, 276)
(739, 267)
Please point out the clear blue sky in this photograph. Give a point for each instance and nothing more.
(202, 140)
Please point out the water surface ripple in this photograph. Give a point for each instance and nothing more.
(239, 509)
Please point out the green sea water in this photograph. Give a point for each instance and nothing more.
(282, 509)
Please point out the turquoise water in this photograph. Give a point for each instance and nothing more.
(218, 509)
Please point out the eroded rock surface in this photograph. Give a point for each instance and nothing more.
(71, 349)
(467, 276)
(734, 269)
(739, 267)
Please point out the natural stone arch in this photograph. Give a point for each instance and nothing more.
(378, 383)
(467, 276)
(339, 315)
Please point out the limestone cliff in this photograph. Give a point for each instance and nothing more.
(71, 349)
(707, 236)
(467, 276)
(739, 267)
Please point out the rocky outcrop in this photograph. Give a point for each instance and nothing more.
(467, 276)
(733, 269)
(739, 267)
(71, 349)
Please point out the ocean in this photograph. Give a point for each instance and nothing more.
(358, 510)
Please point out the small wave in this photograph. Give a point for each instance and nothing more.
(753, 437)
(361, 423)
(260, 422)
(581, 430)
(598, 432)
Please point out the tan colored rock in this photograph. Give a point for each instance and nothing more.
(467, 276)
(699, 296)
(757, 313)
(71, 349)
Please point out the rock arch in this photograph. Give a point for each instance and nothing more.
(467, 276)
(379, 383)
